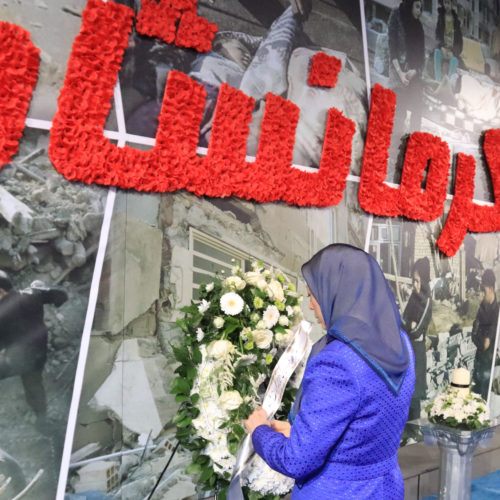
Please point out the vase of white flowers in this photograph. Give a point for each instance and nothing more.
(459, 422)
(232, 340)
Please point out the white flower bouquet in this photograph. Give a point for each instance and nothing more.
(233, 338)
(454, 408)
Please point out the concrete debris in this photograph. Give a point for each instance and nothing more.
(42, 216)
(139, 373)
(101, 476)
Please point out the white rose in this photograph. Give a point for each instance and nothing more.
(276, 291)
(235, 282)
(220, 349)
(283, 321)
(262, 338)
(218, 322)
(252, 277)
(261, 284)
(230, 400)
(203, 306)
(283, 339)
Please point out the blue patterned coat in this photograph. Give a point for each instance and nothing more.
(344, 441)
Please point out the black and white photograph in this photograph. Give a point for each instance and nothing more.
(441, 57)
(49, 233)
(258, 50)
(448, 305)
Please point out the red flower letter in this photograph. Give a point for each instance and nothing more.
(465, 215)
(19, 61)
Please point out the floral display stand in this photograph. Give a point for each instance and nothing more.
(456, 448)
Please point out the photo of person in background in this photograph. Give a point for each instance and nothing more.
(483, 334)
(449, 42)
(407, 58)
(415, 321)
(24, 340)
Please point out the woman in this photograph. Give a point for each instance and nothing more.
(416, 318)
(407, 56)
(449, 39)
(356, 389)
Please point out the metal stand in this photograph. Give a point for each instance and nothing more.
(456, 449)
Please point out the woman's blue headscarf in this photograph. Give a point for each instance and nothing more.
(359, 309)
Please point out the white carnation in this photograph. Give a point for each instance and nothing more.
(230, 400)
(231, 303)
(203, 306)
(271, 316)
(219, 349)
(262, 338)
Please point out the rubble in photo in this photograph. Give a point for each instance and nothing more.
(49, 234)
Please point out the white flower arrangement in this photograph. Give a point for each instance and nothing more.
(454, 408)
(233, 338)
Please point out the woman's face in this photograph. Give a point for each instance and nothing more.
(416, 9)
(416, 282)
(447, 5)
(314, 306)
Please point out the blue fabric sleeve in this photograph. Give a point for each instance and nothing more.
(330, 402)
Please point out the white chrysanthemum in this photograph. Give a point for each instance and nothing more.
(231, 303)
(199, 334)
(203, 306)
(258, 476)
(271, 316)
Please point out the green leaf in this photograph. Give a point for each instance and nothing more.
(231, 328)
(181, 354)
(197, 355)
(238, 430)
(181, 386)
(192, 309)
(193, 469)
(182, 324)
(184, 422)
(180, 398)
(192, 372)
(206, 474)
(195, 398)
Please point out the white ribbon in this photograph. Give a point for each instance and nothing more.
(282, 372)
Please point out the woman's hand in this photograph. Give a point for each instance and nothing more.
(282, 427)
(258, 417)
